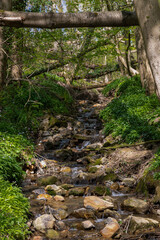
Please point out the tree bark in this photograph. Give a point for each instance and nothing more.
(4, 5)
(146, 75)
(148, 12)
(68, 20)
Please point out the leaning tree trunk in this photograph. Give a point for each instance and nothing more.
(17, 43)
(146, 75)
(4, 5)
(148, 12)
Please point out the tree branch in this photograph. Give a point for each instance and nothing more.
(68, 20)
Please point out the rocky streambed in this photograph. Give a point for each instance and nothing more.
(79, 190)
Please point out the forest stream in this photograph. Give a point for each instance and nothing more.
(79, 190)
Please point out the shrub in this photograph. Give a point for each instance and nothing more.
(13, 212)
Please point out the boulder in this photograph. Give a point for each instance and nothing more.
(60, 214)
(84, 213)
(44, 222)
(78, 191)
(87, 225)
(135, 205)
(52, 234)
(47, 180)
(139, 224)
(129, 182)
(44, 197)
(156, 198)
(59, 198)
(111, 228)
(97, 203)
(54, 189)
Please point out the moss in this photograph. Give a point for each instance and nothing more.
(51, 192)
(101, 191)
(47, 180)
(92, 169)
(110, 177)
(77, 191)
(67, 186)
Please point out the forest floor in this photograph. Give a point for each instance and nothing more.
(83, 186)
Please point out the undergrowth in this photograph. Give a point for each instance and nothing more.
(20, 111)
(13, 212)
(22, 105)
(131, 114)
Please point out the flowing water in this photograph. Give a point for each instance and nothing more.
(67, 159)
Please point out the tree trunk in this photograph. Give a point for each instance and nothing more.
(4, 5)
(146, 75)
(148, 12)
(68, 20)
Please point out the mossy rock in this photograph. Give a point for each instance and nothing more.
(97, 162)
(47, 180)
(147, 184)
(110, 177)
(101, 191)
(92, 169)
(51, 192)
(52, 234)
(79, 191)
(67, 186)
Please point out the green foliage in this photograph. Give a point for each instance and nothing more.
(15, 150)
(13, 212)
(131, 113)
(22, 105)
(155, 165)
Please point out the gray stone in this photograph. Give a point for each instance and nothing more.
(44, 222)
(140, 224)
(136, 205)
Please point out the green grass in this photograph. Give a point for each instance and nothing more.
(131, 113)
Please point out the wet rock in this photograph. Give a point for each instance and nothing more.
(44, 222)
(135, 205)
(94, 146)
(101, 190)
(64, 154)
(37, 238)
(130, 182)
(84, 213)
(43, 164)
(114, 186)
(156, 198)
(111, 228)
(66, 170)
(52, 234)
(85, 160)
(60, 225)
(64, 234)
(54, 190)
(78, 191)
(59, 198)
(140, 224)
(44, 197)
(87, 225)
(60, 214)
(67, 186)
(47, 180)
(97, 203)
(111, 213)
